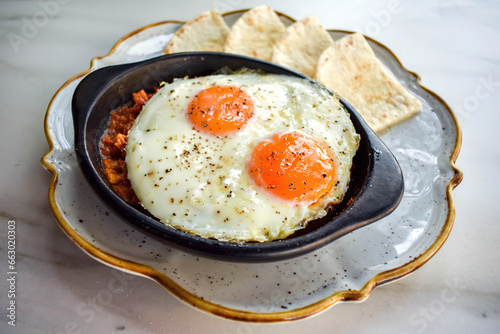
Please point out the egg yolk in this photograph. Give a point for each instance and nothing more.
(220, 110)
(294, 167)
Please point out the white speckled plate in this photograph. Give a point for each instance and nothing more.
(347, 269)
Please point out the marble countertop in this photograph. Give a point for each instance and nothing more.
(453, 46)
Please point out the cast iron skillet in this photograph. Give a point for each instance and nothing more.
(375, 190)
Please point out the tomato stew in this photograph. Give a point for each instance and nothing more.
(114, 142)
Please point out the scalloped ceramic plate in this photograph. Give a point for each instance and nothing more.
(348, 269)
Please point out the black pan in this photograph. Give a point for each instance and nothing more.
(375, 189)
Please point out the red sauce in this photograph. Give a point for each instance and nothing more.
(114, 142)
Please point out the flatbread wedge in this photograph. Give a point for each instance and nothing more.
(207, 32)
(302, 45)
(351, 69)
(255, 33)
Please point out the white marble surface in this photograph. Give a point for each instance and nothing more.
(453, 45)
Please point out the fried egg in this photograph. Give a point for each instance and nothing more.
(241, 157)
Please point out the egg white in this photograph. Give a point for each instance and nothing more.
(199, 183)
